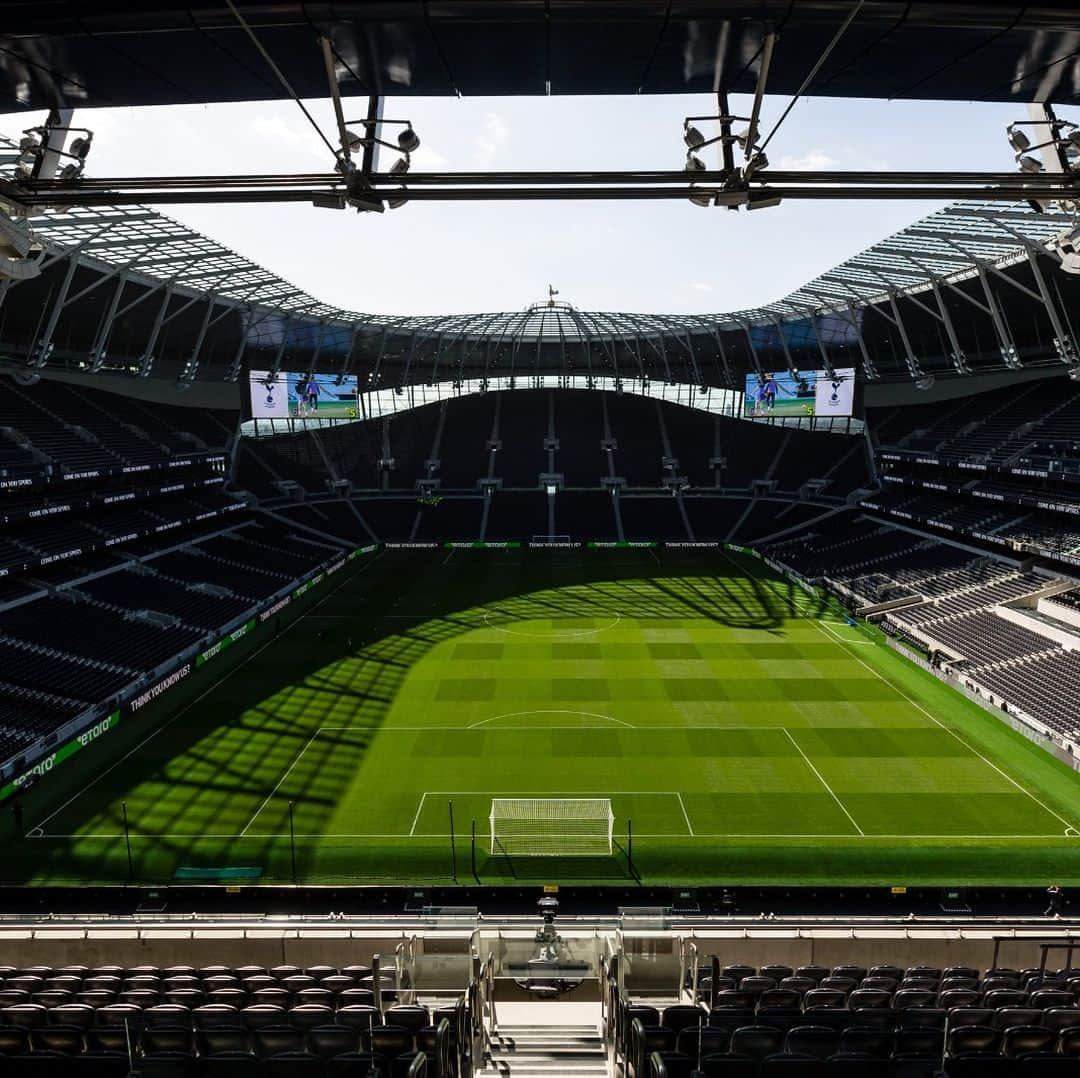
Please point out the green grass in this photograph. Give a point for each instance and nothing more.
(745, 729)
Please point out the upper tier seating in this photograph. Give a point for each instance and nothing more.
(515, 436)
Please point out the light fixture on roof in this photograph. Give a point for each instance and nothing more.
(693, 165)
(362, 194)
(692, 136)
(925, 383)
(1017, 139)
(1074, 373)
(1029, 164)
(37, 142)
(1067, 247)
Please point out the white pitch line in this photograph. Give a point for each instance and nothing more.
(824, 625)
(550, 711)
(686, 815)
(663, 834)
(555, 635)
(288, 771)
(965, 743)
(416, 818)
(821, 779)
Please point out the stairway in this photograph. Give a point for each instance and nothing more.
(549, 1051)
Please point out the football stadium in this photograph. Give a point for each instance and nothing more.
(570, 682)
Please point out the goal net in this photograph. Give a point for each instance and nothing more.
(551, 826)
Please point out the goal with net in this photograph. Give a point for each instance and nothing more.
(551, 826)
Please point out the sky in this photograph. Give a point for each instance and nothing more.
(444, 258)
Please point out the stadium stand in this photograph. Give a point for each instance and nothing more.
(122, 552)
(252, 1019)
(919, 1021)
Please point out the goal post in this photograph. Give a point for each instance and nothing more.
(552, 826)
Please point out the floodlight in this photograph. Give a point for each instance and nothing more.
(693, 137)
(1067, 246)
(763, 201)
(408, 140)
(328, 201)
(1018, 140)
(695, 164)
(1029, 164)
(80, 147)
(925, 383)
(70, 172)
(1074, 373)
(400, 166)
(702, 199)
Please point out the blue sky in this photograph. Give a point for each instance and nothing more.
(430, 258)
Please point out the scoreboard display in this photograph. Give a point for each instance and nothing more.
(800, 393)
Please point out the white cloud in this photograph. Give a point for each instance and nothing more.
(701, 286)
(812, 160)
(493, 134)
(426, 159)
(278, 130)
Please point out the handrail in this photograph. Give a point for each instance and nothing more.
(442, 1049)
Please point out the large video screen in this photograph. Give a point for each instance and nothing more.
(805, 393)
(289, 395)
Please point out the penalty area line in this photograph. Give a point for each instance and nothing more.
(416, 818)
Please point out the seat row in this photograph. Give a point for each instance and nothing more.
(32, 1016)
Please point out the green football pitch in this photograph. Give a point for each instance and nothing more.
(741, 725)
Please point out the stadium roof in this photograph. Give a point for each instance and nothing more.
(948, 244)
(86, 53)
(265, 321)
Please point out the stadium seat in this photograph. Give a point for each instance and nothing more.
(169, 1015)
(970, 1040)
(66, 1039)
(216, 1040)
(698, 1041)
(330, 1041)
(14, 1040)
(28, 1015)
(757, 1042)
(359, 1016)
(817, 1041)
(275, 1040)
(410, 1017)
(110, 1039)
(920, 1041)
(167, 1039)
(309, 1015)
(872, 1042)
(1069, 1041)
(682, 1016)
(72, 1014)
(1022, 1040)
